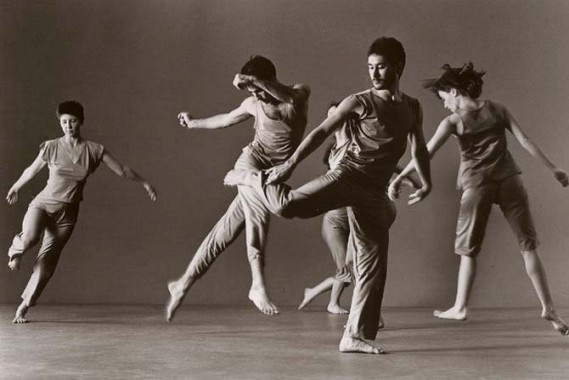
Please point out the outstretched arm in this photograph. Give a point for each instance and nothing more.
(29, 173)
(535, 151)
(313, 140)
(125, 172)
(283, 93)
(239, 114)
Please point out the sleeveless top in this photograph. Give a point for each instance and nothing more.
(276, 140)
(379, 136)
(484, 154)
(334, 153)
(68, 169)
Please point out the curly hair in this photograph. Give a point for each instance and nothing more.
(465, 80)
(70, 107)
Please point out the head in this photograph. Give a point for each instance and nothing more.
(386, 61)
(261, 68)
(71, 116)
(456, 82)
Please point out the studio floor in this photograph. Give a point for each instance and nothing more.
(205, 342)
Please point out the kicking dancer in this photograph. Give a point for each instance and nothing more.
(386, 119)
(336, 229)
(280, 114)
(487, 175)
(53, 212)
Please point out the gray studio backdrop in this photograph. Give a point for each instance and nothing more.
(136, 64)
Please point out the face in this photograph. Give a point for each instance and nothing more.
(260, 94)
(449, 100)
(382, 73)
(70, 125)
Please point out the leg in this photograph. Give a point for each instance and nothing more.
(369, 225)
(257, 219)
(336, 232)
(466, 276)
(220, 237)
(515, 206)
(475, 207)
(538, 277)
(55, 238)
(32, 228)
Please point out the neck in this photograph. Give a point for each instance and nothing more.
(469, 104)
(72, 140)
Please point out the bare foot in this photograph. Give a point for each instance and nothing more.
(558, 323)
(21, 314)
(381, 323)
(453, 313)
(240, 177)
(336, 309)
(260, 298)
(177, 294)
(309, 295)
(14, 263)
(357, 345)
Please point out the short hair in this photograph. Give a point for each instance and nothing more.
(465, 80)
(333, 104)
(71, 107)
(260, 67)
(391, 49)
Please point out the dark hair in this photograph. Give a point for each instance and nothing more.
(260, 67)
(391, 49)
(333, 104)
(465, 80)
(71, 107)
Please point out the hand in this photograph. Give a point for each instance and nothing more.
(185, 118)
(151, 191)
(241, 81)
(280, 173)
(394, 189)
(12, 196)
(561, 177)
(418, 195)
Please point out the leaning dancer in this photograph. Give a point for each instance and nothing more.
(336, 230)
(488, 175)
(280, 113)
(53, 212)
(386, 118)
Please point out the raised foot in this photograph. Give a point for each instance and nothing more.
(261, 300)
(359, 346)
(309, 295)
(452, 313)
(177, 294)
(336, 309)
(239, 177)
(557, 322)
(20, 316)
(14, 263)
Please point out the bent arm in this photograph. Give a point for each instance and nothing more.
(27, 175)
(125, 172)
(224, 120)
(319, 134)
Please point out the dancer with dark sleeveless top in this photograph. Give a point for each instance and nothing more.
(488, 175)
(386, 118)
(280, 114)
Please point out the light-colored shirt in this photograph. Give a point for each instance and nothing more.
(68, 169)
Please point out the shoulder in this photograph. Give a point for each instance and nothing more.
(451, 122)
(49, 144)
(249, 105)
(96, 150)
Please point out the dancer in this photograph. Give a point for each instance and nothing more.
(280, 114)
(53, 212)
(336, 229)
(386, 118)
(488, 175)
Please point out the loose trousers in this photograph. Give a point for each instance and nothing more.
(370, 215)
(247, 211)
(56, 221)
